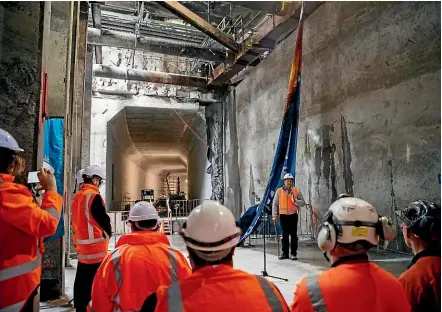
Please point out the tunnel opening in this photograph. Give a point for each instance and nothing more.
(160, 149)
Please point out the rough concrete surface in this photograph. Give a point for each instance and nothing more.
(370, 108)
(56, 65)
(214, 128)
(20, 65)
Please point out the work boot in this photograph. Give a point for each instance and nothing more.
(283, 256)
(292, 257)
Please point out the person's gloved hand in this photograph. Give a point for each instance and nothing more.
(47, 180)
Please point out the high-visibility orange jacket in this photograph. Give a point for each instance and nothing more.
(23, 224)
(355, 285)
(134, 270)
(90, 240)
(422, 281)
(286, 203)
(220, 288)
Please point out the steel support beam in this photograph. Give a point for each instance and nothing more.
(148, 76)
(226, 71)
(96, 21)
(125, 40)
(279, 8)
(188, 16)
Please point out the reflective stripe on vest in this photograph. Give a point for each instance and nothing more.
(16, 307)
(53, 212)
(92, 256)
(272, 298)
(174, 276)
(314, 291)
(118, 277)
(175, 301)
(90, 229)
(173, 265)
(20, 269)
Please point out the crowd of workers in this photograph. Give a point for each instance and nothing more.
(145, 273)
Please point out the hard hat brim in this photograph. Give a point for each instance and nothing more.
(143, 218)
(229, 244)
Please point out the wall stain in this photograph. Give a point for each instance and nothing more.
(348, 175)
(333, 173)
(308, 156)
(324, 161)
(252, 188)
(318, 152)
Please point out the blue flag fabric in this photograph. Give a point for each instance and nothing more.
(285, 155)
(53, 141)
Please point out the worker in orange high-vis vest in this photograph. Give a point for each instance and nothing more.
(421, 225)
(211, 235)
(286, 203)
(23, 225)
(91, 232)
(142, 261)
(353, 283)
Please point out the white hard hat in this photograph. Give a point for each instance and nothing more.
(8, 141)
(211, 227)
(142, 211)
(79, 177)
(288, 176)
(94, 170)
(351, 219)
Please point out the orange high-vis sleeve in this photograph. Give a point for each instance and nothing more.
(20, 210)
(104, 287)
(301, 301)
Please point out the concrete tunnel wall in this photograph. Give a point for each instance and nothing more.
(20, 79)
(370, 108)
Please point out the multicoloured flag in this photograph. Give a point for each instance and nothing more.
(285, 155)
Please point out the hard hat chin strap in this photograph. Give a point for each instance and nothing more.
(326, 257)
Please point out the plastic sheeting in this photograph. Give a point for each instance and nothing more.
(53, 153)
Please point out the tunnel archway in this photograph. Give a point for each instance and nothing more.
(147, 144)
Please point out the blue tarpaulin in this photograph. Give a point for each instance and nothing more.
(53, 153)
(285, 155)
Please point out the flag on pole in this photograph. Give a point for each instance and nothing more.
(285, 154)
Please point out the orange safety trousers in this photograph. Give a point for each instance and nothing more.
(141, 263)
(23, 225)
(90, 240)
(221, 288)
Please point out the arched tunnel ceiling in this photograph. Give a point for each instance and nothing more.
(156, 138)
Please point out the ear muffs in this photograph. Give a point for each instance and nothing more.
(327, 233)
(327, 236)
(385, 229)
